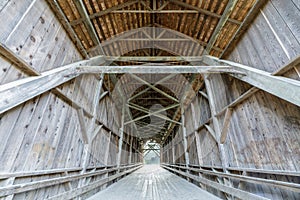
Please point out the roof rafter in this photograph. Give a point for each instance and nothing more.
(223, 20)
(88, 23)
(105, 12)
(203, 11)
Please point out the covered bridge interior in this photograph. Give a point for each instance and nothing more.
(91, 87)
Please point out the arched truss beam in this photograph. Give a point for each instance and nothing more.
(152, 37)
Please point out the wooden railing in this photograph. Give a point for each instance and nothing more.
(68, 175)
(239, 174)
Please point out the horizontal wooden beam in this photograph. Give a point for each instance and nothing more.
(24, 187)
(274, 183)
(220, 187)
(154, 58)
(282, 87)
(160, 69)
(91, 186)
(157, 11)
(155, 113)
(155, 39)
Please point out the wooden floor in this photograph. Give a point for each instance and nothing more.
(153, 182)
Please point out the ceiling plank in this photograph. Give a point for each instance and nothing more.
(223, 20)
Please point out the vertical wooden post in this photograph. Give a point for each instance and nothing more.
(185, 143)
(107, 149)
(173, 148)
(121, 131)
(96, 104)
(198, 144)
(130, 151)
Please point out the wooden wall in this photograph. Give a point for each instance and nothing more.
(44, 133)
(264, 131)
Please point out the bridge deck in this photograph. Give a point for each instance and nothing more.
(153, 182)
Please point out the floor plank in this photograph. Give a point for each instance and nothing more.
(153, 182)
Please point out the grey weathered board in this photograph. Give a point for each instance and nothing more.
(152, 182)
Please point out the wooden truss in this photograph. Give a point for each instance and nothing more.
(17, 92)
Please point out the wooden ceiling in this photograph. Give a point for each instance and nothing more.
(213, 23)
(155, 28)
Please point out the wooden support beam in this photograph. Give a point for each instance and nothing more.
(82, 123)
(211, 132)
(103, 95)
(65, 22)
(158, 11)
(121, 134)
(198, 144)
(160, 69)
(226, 124)
(106, 155)
(155, 88)
(20, 91)
(223, 20)
(154, 58)
(29, 70)
(130, 150)
(155, 113)
(155, 40)
(106, 11)
(17, 61)
(203, 11)
(164, 5)
(212, 104)
(184, 137)
(95, 105)
(123, 97)
(96, 131)
(284, 88)
(155, 84)
(88, 23)
(203, 94)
